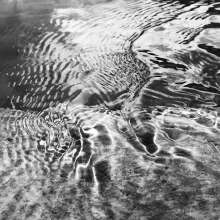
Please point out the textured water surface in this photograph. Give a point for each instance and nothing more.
(109, 109)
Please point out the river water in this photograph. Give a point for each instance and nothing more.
(109, 109)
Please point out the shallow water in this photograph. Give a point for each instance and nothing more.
(109, 109)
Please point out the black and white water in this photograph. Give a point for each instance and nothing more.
(110, 109)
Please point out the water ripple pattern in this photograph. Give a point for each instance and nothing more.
(109, 109)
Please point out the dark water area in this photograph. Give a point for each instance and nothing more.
(109, 109)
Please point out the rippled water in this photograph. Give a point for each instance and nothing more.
(109, 109)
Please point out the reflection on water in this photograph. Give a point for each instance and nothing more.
(109, 109)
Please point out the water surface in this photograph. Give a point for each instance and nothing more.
(109, 109)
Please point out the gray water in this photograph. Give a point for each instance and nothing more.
(109, 109)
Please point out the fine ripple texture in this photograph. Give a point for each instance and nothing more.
(109, 109)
